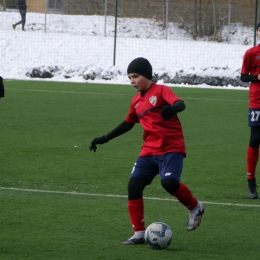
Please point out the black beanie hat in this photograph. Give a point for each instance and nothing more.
(258, 26)
(141, 66)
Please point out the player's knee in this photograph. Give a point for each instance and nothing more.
(255, 140)
(136, 187)
(255, 137)
(170, 185)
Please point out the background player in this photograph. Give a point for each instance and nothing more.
(2, 89)
(155, 107)
(251, 73)
(22, 10)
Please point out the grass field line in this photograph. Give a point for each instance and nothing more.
(118, 94)
(218, 99)
(123, 196)
(69, 92)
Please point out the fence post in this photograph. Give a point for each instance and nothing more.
(4, 5)
(105, 27)
(229, 18)
(256, 8)
(114, 60)
(166, 18)
(45, 15)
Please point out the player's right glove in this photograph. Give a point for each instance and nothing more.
(98, 140)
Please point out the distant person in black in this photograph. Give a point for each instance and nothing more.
(2, 89)
(22, 9)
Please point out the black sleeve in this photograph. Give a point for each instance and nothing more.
(2, 89)
(119, 130)
(179, 106)
(249, 78)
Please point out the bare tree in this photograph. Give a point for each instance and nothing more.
(207, 17)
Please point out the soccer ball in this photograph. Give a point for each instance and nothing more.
(158, 235)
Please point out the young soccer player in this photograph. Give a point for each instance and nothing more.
(251, 73)
(155, 107)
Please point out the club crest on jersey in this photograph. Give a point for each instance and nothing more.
(153, 100)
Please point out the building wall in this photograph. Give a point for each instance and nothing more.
(39, 5)
(36, 6)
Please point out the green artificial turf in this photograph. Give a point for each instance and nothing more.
(61, 201)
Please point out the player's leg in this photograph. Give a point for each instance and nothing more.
(171, 165)
(136, 209)
(140, 177)
(252, 159)
(23, 15)
(14, 25)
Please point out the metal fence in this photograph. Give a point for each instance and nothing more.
(210, 22)
(116, 21)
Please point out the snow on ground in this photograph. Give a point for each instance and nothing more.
(72, 47)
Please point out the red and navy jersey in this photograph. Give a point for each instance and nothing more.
(159, 136)
(251, 65)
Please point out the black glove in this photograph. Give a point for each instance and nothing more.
(98, 140)
(168, 112)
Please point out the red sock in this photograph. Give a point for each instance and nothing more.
(136, 212)
(252, 158)
(185, 197)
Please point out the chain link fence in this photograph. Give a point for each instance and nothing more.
(203, 21)
(197, 20)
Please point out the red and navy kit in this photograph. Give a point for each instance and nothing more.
(159, 136)
(251, 65)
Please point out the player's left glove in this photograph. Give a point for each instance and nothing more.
(168, 112)
(98, 140)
